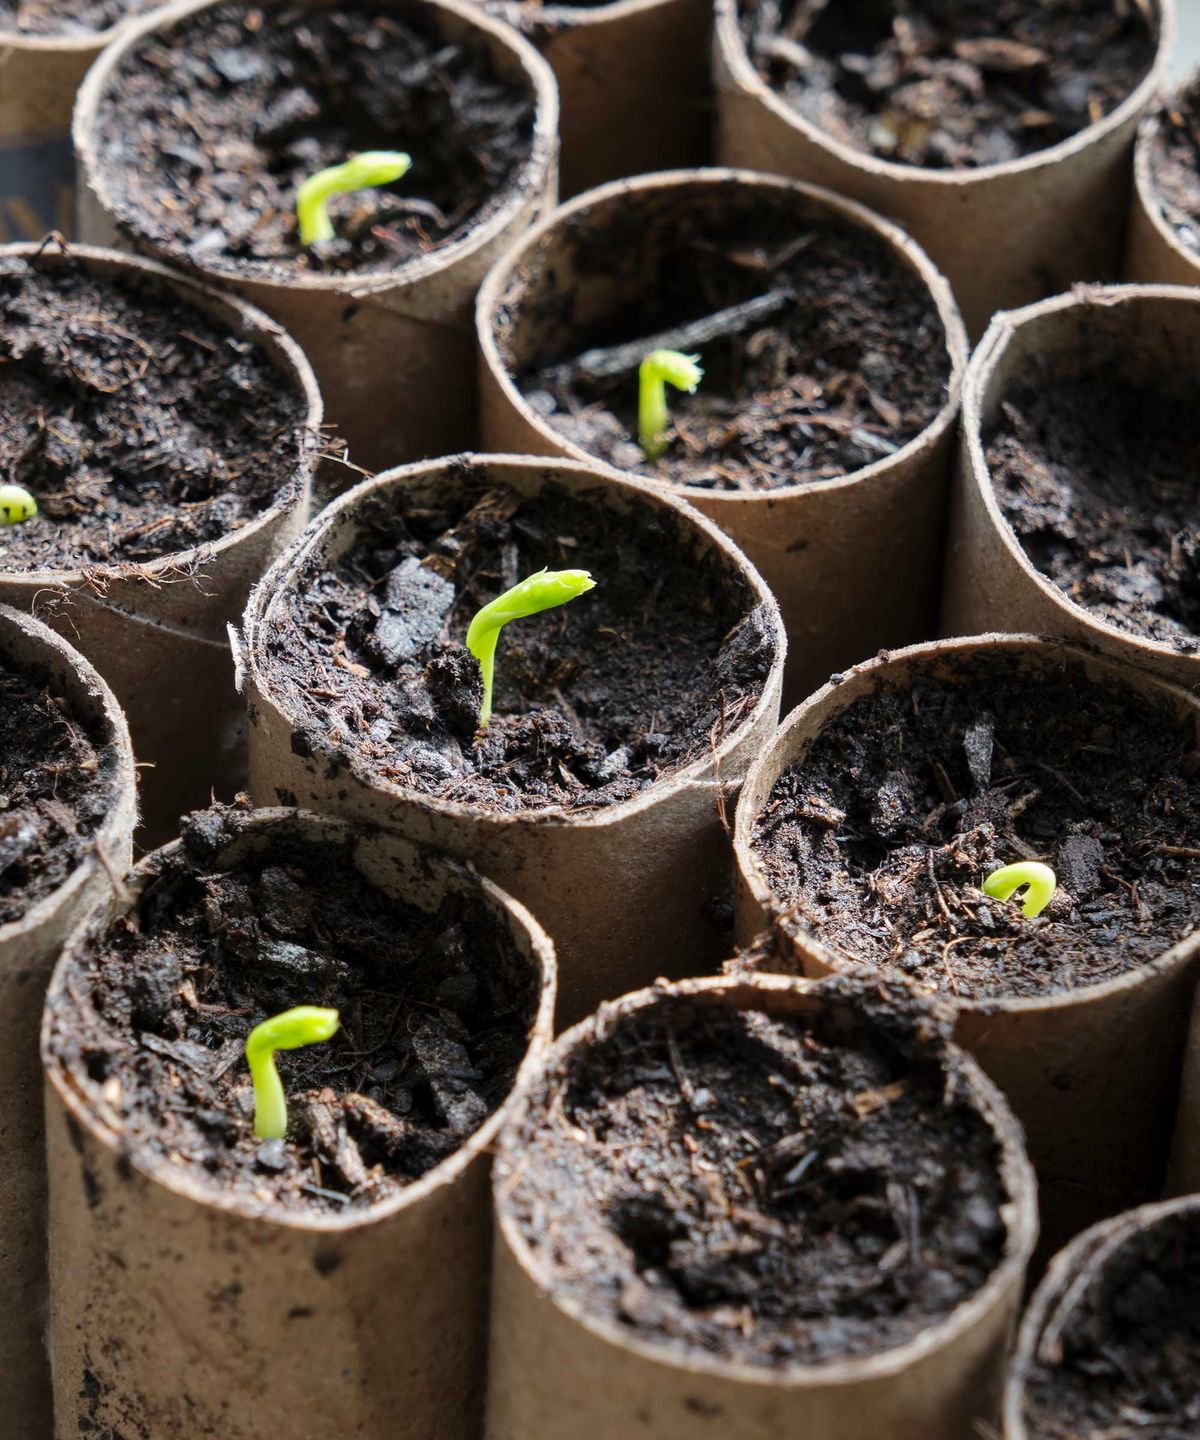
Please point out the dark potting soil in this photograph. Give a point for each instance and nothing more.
(765, 1190)
(829, 354)
(878, 842)
(1175, 165)
(1096, 473)
(206, 134)
(593, 701)
(67, 18)
(141, 426)
(57, 786)
(435, 1014)
(951, 84)
(1125, 1363)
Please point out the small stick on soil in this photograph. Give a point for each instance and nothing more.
(606, 361)
(120, 889)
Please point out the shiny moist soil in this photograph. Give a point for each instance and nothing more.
(435, 1013)
(876, 844)
(594, 701)
(764, 1191)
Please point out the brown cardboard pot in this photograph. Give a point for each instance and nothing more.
(39, 75)
(1184, 1175)
(1073, 1272)
(157, 633)
(28, 949)
(555, 1370)
(1092, 1073)
(620, 889)
(852, 561)
(990, 583)
(619, 67)
(391, 349)
(183, 1309)
(1154, 253)
(1003, 234)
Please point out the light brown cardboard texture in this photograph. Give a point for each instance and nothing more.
(1091, 1073)
(391, 349)
(157, 632)
(1003, 234)
(990, 584)
(28, 950)
(180, 1309)
(556, 1371)
(1183, 1178)
(621, 890)
(852, 561)
(1073, 1271)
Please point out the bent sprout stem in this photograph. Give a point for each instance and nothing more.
(16, 505)
(543, 591)
(360, 172)
(658, 370)
(1039, 880)
(305, 1025)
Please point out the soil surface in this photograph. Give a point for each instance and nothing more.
(435, 1015)
(67, 18)
(141, 426)
(57, 787)
(1096, 474)
(878, 842)
(1175, 165)
(762, 1190)
(828, 355)
(951, 84)
(645, 673)
(206, 135)
(1124, 1365)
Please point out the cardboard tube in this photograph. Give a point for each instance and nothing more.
(621, 889)
(853, 561)
(179, 1308)
(1154, 253)
(28, 949)
(556, 1370)
(1091, 1073)
(1071, 1274)
(1184, 1174)
(1003, 234)
(391, 349)
(990, 582)
(158, 632)
(39, 76)
(634, 83)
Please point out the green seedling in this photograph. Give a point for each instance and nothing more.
(361, 172)
(658, 370)
(1039, 881)
(16, 505)
(305, 1025)
(543, 591)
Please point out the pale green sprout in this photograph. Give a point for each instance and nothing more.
(305, 1025)
(360, 172)
(545, 590)
(16, 505)
(1039, 881)
(658, 370)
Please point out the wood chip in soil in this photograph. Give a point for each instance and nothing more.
(763, 1191)
(206, 134)
(142, 427)
(951, 84)
(1122, 1363)
(594, 701)
(57, 787)
(822, 351)
(878, 841)
(435, 1012)
(1096, 474)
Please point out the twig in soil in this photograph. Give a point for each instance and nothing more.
(120, 889)
(605, 362)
